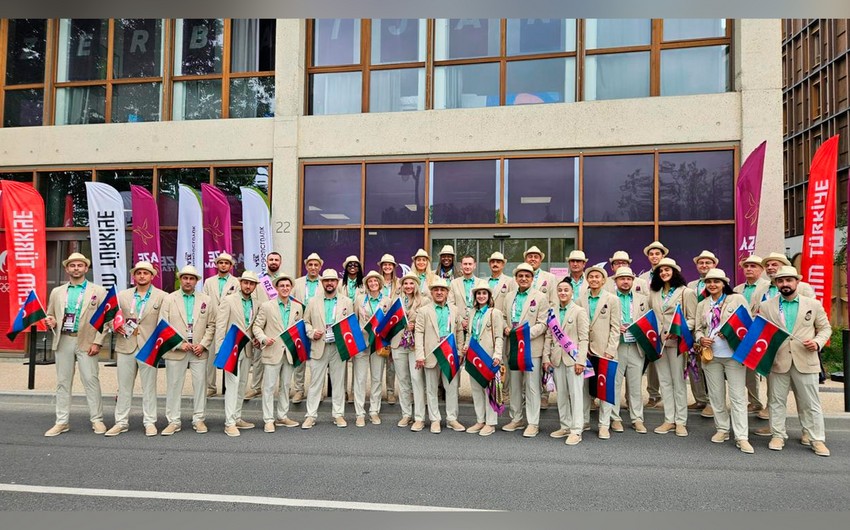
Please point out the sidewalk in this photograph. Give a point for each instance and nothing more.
(14, 376)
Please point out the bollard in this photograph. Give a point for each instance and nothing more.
(33, 343)
(845, 346)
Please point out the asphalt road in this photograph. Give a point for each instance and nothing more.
(387, 464)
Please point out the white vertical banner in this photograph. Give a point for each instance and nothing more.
(107, 226)
(190, 234)
(256, 228)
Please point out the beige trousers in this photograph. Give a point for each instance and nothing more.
(175, 375)
(720, 372)
(274, 376)
(128, 367)
(805, 388)
(525, 394)
(67, 355)
(570, 393)
(671, 382)
(319, 368)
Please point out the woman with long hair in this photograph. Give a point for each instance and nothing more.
(351, 283)
(411, 382)
(668, 290)
(367, 304)
(420, 265)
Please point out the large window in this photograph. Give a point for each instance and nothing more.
(23, 56)
(387, 65)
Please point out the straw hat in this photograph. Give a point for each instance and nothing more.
(667, 262)
(143, 266)
(787, 272)
(755, 260)
(374, 274)
(481, 285)
(716, 274)
(387, 258)
(249, 276)
(706, 254)
(577, 255)
(596, 268)
(329, 274)
(523, 267)
(190, 271)
(349, 259)
(776, 256)
(76, 256)
(658, 245)
(447, 249)
(624, 272)
(283, 276)
(411, 276)
(534, 250)
(620, 255)
(224, 256)
(498, 256)
(420, 254)
(439, 282)
(314, 257)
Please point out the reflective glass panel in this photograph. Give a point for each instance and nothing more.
(230, 179)
(400, 243)
(134, 103)
(465, 191)
(252, 97)
(336, 93)
(617, 32)
(697, 185)
(25, 53)
(82, 49)
(121, 179)
(702, 70)
(252, 42)
(197, 100)
(619, 188)
(332, 245)
(332, 194)
(461, 38)
(78, 105)
(541, 35)
(398, 40)
(138, 48)
(693, 28)
(397, 90)
(169, 190)
(466, 86)
(198, 46)
(336, 41)
(615, 76)
(65, 200)
(395, 193)
(544, 81)
(23, 108)
(541, 190)
(600, 243)
(685, 242)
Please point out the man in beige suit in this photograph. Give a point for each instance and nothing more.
(69, 310)
(434, 323)
(577, 261)
(604, 313)
(321, 313)
(240, 309)
(704, 262)
(305, 288)
(797, 360)
(753, 289)
(192, 315)
(499, 282)
(274, 318)
(543, 281)
(460, 289)
(140, 306)
(653, 252)
(217, 287)
(261, 296)
(621, 259)
(527, 304)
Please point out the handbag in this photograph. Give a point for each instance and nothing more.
(383, 352)
(706, 354)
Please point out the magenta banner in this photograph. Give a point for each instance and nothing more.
(747, 198)
(217, 233)
(146, 231)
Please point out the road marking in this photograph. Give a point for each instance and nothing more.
(229, 499)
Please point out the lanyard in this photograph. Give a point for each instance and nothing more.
(140, 303)
(667, 298)
(79, 303)
(480, 314)
(367, 302)
(721, 302)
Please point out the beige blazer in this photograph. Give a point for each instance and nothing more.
(547, 283)
(342, 289)
(147, 323)
(211, 288)
(364, 312)
(694, 285)
(314, 319)
(93, 296)
(811, 324)
(664, 313)
(203, 317)
(268, 324)
(259, 293)
(639, 285)
(604, 323)
(230, 312)
(412, 313)
(492, 334)
(534, 311)
(576, 325)
(505, 285)
(299, 289)
(703, 317)
(762, 285)
(457, 294)
(426, 334)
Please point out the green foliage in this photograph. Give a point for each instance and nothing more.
(832, 354)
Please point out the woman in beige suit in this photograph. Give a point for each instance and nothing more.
(391, 290)
(411, 381)
(487, 326)
(712, 313)
(421, 266)
(668, 290)
(367, 304)
(574, 322)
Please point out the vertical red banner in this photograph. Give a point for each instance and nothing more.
(819, 234)
(26, 247)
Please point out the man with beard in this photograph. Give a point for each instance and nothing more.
(263, 295)
(217, 287)
(305, 288)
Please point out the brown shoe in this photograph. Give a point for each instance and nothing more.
(391, 398)
(664, 428)
(98, 427)
(360, 421)
(252, 394)
(297, 398)
(268, 427)
(776, 444)
(719, 437)
(707, 412)
(573, 439)
(763, 431)
(200, 427)
(752, 408)
(594, 405)
(115, 430)
(435, 427)
(242, 424)
(340, 422)
(150, 430)
(170, 429)
(475, 429)
(531, 431)
(404, 421)
(560, 433)
(285, 422)
(639, 427)
(417, 426)
(806, 439)
(308, 423)
(697, 405)
(513, 426)
(820, 448)
(211, 392)
(763, 414)
(57, 429)
(604, 433)
(617, 426)
(455, 426)
(487, 430)
(231, 430)
(681, 430)
(375, 419)
(745, 447)
(652, 402)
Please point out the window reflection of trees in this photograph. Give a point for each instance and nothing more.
(693, 190)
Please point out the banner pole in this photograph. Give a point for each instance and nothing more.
(32, 348)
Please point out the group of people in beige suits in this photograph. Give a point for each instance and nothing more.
(593, 307)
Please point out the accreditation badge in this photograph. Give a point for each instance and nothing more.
(189, 329)
(68, 321)
(329, 335)
(131, 327)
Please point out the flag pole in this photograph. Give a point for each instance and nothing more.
(32, 346)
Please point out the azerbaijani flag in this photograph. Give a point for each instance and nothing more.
(603, 384)
(348, 337)
(679, 327)
(645, 331)
(106, 311)
(519, 357)
(393, 322)
(758, 349)
(375, 342)
(702, 295)
(227, 357)
(163, 339)
(447, 357)
(297, 342)
(479, 365)
(735, 328)
(31, 312)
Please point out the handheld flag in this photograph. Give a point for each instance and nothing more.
(348, 337)
(519, 357)
(297, 342)
(106, 311)
(645, 331)
(479, 364)
(603, 384)
(227, 357)
(374, 339)
(758, 349)
(393, 323)
(679, 327)
(735, 328)
(163, 339)
(567, 344)
(31, 312)
(447, 357)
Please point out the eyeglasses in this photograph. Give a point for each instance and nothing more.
(352, 264)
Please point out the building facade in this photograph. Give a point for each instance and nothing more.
(376, 136)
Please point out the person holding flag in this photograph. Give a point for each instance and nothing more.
(140, 306)
(484, 340)
(192, 315)
(621, 259)
(753, 289)
(217, 287)
(391, 290)
(704, 262)
(543, 281)
(796, 362)
(273, 319)
(654, 252)
(574, 323)
(526, 305)
(605, 316)
(719, 367)
(239, 310)
(69, 310)
(350, 286)
(668, 291)
(321, 313)
(633, 304)
(261, 296)
(370, 306)
(411, 382)
(305, 288)
(420, 265)
(434, 323)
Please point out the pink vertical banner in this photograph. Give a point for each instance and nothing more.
(747, 198)
(146, 231)
(217, 232)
